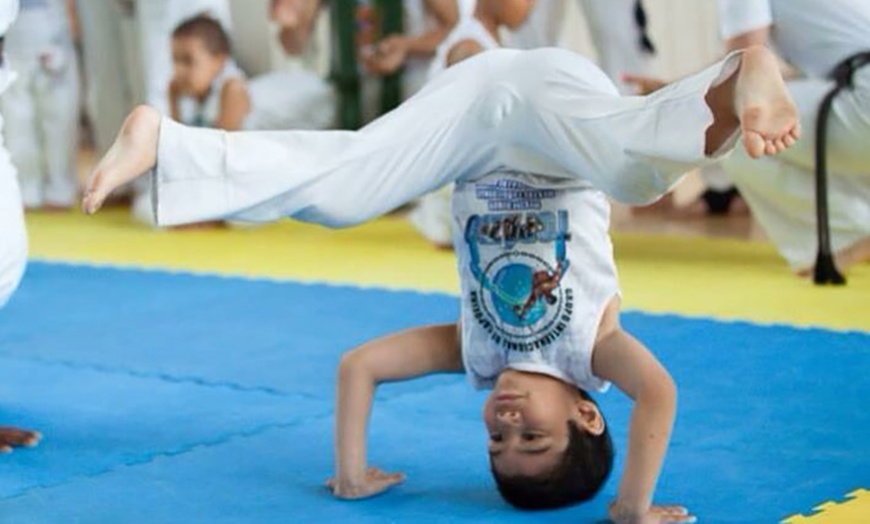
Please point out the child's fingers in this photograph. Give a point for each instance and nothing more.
(670, 510)
(679, 519)
(19, 437)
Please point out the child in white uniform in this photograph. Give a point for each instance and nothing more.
(13, 235)
(41, 108)
(534, 140)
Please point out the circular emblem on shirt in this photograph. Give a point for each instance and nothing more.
(521, 301)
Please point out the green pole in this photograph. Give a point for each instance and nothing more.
(392, 15)
(345, 74)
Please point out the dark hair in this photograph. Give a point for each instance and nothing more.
(577, 477)
(208, 30)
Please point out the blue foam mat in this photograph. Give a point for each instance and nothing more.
(216, 409)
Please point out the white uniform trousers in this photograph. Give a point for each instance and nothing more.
(546, 111)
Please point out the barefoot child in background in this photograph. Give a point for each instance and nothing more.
(535, 141)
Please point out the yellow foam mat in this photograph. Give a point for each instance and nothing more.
(726, 279)
(855, 510)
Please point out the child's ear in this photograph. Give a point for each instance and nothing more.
(589, 417)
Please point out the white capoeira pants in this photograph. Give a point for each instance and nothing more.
(13, 236)
(543, 111)
(781, 190)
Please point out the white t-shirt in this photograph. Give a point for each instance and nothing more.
(537, 272)
(812, 35)
(194, 113)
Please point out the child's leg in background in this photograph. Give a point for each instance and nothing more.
(57, 94)
(336, 177)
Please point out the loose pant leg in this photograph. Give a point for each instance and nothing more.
(547, 111)
(632, 148)
(13, 236)
(21, 132)
(57, 96)
(335, 178)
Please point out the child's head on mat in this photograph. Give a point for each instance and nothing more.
(548, 442)
(200, 48)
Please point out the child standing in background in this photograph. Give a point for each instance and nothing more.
(41, 108)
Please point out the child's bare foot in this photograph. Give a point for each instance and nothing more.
(844, 259)
(768, 116)
(14, 437)
(133, 153)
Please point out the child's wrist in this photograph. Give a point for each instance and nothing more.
(623, 511)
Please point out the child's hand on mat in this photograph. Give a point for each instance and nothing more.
(654, 515)
(14, 437)
(376, 481)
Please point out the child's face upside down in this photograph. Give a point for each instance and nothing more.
(526, 416)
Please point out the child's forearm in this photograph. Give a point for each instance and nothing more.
(649, 433)
(356, 389)
(400, 356)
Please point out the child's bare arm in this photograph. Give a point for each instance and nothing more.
(400, 356)
(235, 105)
(623, 360)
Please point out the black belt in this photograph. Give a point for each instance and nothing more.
(640, 19)
(842, 75)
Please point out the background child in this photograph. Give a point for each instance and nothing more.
(539, 135)
(42, 108)
(207, 88)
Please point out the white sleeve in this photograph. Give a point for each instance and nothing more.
(741, 16)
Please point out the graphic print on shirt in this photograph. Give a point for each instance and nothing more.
(519, 299)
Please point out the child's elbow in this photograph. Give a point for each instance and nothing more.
(352, 366)
(661, 390)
